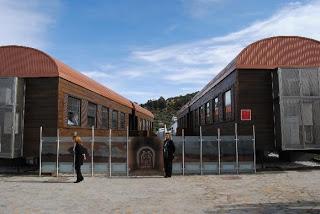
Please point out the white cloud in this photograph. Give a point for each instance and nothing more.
(26, 22)
(96, 74)
(200, 8)
(199, 61)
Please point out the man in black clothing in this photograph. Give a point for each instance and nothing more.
(168, 155)
(80, 155)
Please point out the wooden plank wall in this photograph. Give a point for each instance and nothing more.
(251, 89)
(40, 110)
(67, 88)
(217, 91)
(255, 93)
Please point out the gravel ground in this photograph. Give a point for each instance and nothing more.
(268, 192)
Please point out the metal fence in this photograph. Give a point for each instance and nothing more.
(120, 156)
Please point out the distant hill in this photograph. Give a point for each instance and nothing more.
(165, 109)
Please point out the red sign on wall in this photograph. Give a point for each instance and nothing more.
(245, 114)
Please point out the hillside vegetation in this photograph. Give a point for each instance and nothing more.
(165, 109)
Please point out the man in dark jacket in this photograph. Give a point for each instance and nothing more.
(168, 155)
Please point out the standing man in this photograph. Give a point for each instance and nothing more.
(168, 155)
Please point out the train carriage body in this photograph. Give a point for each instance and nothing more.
(38, 90)
(273, 84)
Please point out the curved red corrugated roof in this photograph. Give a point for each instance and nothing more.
(23, 61)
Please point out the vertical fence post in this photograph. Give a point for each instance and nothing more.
(254, 148)
(183, 141)
(201, 170)
(92, 147)
(74, 159)
(110, 152)
(127, 150)
(236, 141)
(219, 155)
(40, 152)
(58, 148)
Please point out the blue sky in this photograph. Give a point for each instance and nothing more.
(145, 49)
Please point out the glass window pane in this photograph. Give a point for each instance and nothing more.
(208, 113)
(216, 109)
(227, 105)
(114, 119)
(74, 111)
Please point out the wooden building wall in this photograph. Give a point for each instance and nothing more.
(251, 89)
(41, 109)
(46, 102)
(227, 127)
(255, 93)
(67, 88)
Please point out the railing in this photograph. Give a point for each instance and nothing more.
(123, 156)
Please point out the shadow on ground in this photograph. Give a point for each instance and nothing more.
(291, 207)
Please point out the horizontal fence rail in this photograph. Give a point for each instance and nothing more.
(129, 156)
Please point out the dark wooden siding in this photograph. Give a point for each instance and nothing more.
(227, 127)
(41, 109)
(255, 93)
(67, 88)
(251, 89)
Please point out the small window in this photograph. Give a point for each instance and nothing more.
(140, 124)
(122, 120)
(105, 117)
(196, 117)
(201, 115)
(74, 106)
(208, 113)
(227, 106)
(115, 119)
(216, 109)
(92, 114)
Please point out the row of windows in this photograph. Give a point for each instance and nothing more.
(210, 112)
(74, 115)
(144, 124)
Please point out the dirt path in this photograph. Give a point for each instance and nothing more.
(278, 192)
